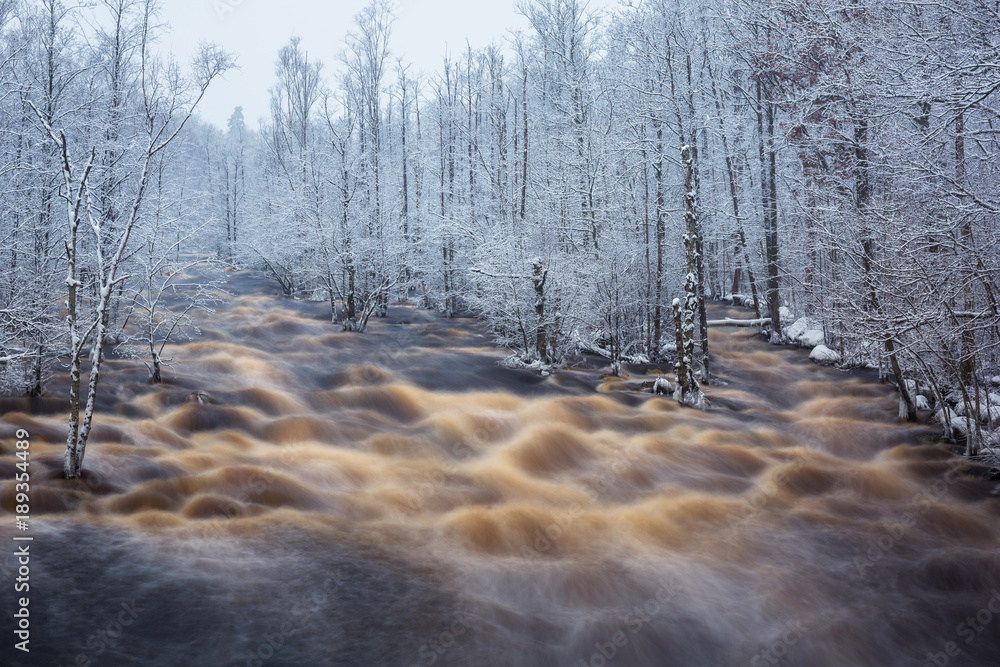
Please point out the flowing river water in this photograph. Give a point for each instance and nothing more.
(294, 495)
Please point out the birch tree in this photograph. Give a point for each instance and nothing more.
(97, 241)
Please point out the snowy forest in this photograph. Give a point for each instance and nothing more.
(585, 186)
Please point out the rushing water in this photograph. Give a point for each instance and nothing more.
(396, 498)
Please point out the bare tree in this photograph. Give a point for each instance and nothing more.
(164, 102)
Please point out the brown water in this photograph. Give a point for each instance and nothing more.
(396, 498)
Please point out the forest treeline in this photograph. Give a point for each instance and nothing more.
(586, 185)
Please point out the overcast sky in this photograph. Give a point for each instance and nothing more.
(255, 29)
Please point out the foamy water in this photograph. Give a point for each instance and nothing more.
(396, 498)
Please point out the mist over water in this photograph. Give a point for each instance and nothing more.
(294, 495)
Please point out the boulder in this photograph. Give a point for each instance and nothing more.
(821, 354)
(805, 331)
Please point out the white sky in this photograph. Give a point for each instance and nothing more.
(255, 30)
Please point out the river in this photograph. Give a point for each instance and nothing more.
(295, 495)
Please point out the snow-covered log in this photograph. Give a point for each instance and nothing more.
(730, 322)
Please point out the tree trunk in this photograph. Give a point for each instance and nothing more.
(538, 277)
(740, 252)
(967, 364)
(660, 236)
(769, 204)
(524, 142)
(693, 250)
(688, 392)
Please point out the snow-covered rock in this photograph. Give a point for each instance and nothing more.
(514, 361)
(812, 338)
(799, 327)
(989, 405)
(821, 354)
(805, 331)
(663, 387)
(955, 397)
(992, 455)
(919, 400)
(947, 416)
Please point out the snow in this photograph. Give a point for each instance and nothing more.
(514, 361)
(785, 314)
(821, 354)
(793, 331)
(730, 322)
(960, 424)
(989, 405)
(948, 416)
(812, 338)
(663, 387)
(739, 299)
(994, 414)
(806, 331)
(693, 399)
(992, 453)
(920, 402)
